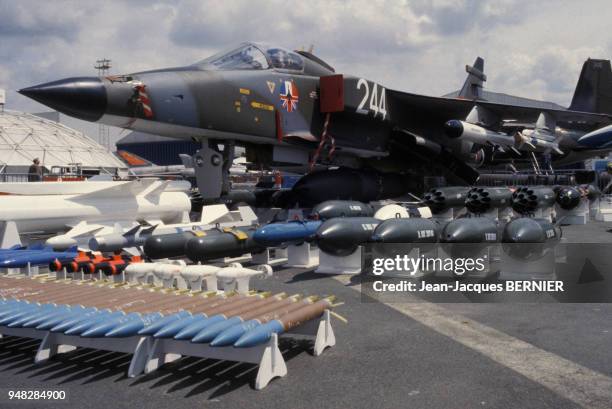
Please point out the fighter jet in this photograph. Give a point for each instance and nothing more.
(292, 108)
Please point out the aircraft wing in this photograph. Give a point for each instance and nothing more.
(427, 112)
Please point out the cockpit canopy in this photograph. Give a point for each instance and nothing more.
(251, 56)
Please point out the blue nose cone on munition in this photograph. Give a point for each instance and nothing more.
(277, 233)
(131, 327)
(159, 324)
(73, 320)
(170, 330)
(260, 334)
(193, 329)
(83, 326)
(51, 322)
(209, 333)
(35, 319)
(20, 313)
(103, 326)
(233, 333)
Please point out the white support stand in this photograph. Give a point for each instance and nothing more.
(302, 255)
(604, 212)
(348, 265)
(576, 216)
(267, 356)
(266, 258)
(57, 343)
(516, 269)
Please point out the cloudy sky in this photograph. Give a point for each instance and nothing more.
(531, 48)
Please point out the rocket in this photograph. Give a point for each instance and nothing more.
(231, 334)
(482, 199)
(527, 199)
(444, 198)
(262, 333)
(208, 333)
(207, 316)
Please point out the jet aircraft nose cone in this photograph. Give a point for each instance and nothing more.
(82, 97)
(453, 128)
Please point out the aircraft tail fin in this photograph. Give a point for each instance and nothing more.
(472, 87)
(594, 89)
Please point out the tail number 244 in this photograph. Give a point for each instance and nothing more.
(376, 106)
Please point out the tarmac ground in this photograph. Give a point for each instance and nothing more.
(389, 355)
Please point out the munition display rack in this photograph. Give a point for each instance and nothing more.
(158, 325)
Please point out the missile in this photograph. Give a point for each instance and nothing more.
(348, 184)
(527, 238)
(444, 198)
(94, 202)
(295, 231)
(342, 235)
(568, 198)
(341, 208)
(470, 230)
(227, 243)
(35, 258)
(262, 333)
(482, 199)
(527, 199)
(477, 134)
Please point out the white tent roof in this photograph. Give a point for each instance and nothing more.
(24, 137)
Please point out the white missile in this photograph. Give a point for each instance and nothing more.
(88, 207)
(477, 134)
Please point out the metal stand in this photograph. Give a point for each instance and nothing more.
(56, 343)
(267, 356)
(302, 255)
(351, 264)
(577, 216)
(445, 216)
(266, 258)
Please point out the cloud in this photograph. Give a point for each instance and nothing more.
(533, 49)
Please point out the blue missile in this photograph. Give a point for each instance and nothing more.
(132, 327)
(192, 330)
(209, 333)
(233, 334)
(294, 231)
(260, 334)
(36, 257)
(173, 328)
(105, 326)
(156, 326)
